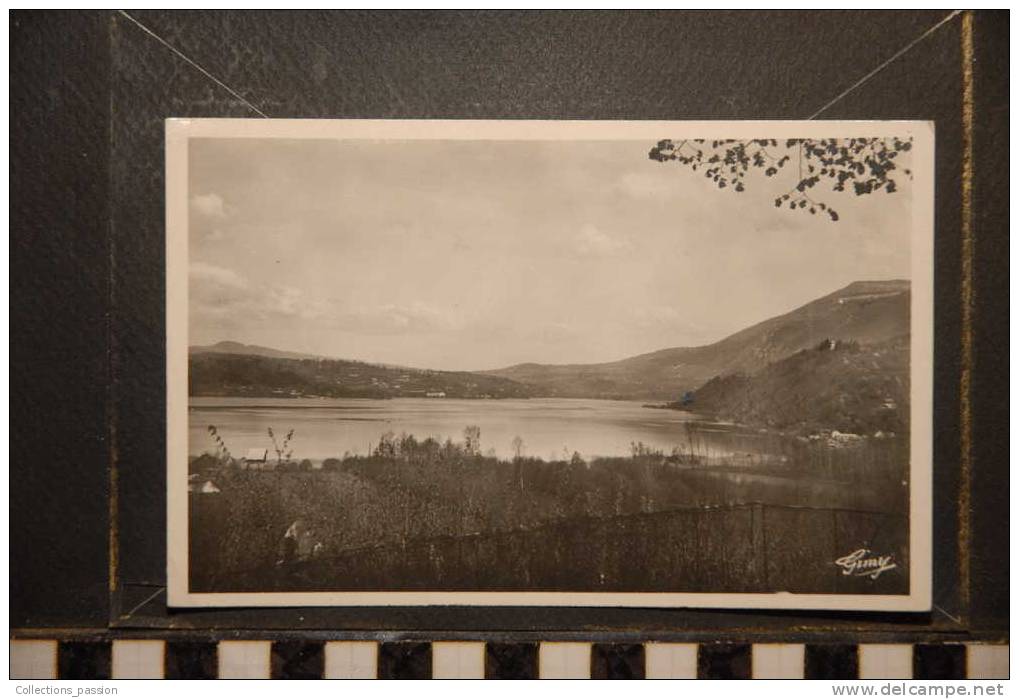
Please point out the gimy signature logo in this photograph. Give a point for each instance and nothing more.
(862, 563)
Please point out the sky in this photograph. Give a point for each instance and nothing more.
(470, 255)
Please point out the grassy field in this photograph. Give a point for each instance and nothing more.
(429, 515)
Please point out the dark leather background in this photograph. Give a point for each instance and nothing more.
(90, 91)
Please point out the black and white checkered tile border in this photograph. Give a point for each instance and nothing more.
(136, 659)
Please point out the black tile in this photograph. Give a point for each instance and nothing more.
(298, 660)
(83, 660)
(187, 660)
(617, 661)
(939, 662)
(831, 662)
(723, 661)
(511, 661)
(405, 660)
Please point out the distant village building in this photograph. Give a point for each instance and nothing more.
(196, 484)
(257, 459)
(435, 394)
(844, 439)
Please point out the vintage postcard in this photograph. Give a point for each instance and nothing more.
(549, 363)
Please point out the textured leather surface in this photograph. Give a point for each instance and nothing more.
(60, 284)
(989, 551)
(87, 242)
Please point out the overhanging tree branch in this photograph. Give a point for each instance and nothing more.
(867, 165)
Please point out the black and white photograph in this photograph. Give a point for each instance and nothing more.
(549, 363)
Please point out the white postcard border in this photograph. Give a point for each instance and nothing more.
(179, 131)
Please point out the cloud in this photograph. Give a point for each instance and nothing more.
(670, 326)
(392, 318)
(593, 242)
(206, 275)
(224, 296)
(210, 205)
(646, 185)
(289, 302)
(556, 331)
(218, 292)
(656, 315)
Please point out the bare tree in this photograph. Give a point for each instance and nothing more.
(282, 448)
(518, 447)
(472, 440)
(518, 454)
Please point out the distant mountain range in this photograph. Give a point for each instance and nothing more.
(862, 315)
(865, 312)
(229, 347)
(257, 374)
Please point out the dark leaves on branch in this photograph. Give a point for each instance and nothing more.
(866, 164)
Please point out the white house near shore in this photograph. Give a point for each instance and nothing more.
(196, 484)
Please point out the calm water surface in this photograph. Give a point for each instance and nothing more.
(325, 427)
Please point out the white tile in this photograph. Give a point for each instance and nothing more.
(561, 661)
(986, 662)
(138, 660)
(458, 661)
(670, 661)
(777, 661)
(244, 660)
(886, 661)
(351, 660)
(33, 660)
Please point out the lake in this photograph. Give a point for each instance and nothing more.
(549, 427)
